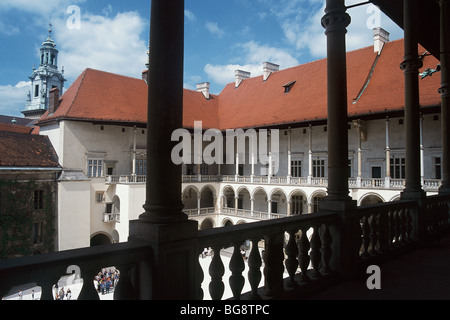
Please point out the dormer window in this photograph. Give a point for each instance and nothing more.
(288, 86)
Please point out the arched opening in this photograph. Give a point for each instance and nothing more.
(278, 202)
(207, 224)
(207, 198)
(244, 201)
(370, 199)
(298, 203)
(260, 200)
(228, 194)
(190, 196)
(100, 240)
(316, 199)
(227, 223)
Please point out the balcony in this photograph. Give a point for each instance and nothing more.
(302, 254)
(429, 185)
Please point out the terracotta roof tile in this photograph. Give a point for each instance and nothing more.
(26, 150)
(102, 96)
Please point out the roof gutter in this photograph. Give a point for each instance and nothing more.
(31, 169)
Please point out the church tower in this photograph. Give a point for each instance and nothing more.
(44, 79)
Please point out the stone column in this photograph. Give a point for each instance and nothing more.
(445, 95)
(388, 157)
(410, 66)
(335, 23)
(346, 239)
(310, 156)
(171, 272)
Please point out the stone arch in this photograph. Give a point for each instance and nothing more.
(190, 195)
(100, 238)
(207, 196)
(207, 223)
(227, 223)
(298, 202)
(241, 222)
(245, 197)
(315, 199)
(116, 204)
(395, 198)
(278, 201)
(370, 198)
(228, 195)
(259, 196)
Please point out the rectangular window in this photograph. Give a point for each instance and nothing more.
(36, 91)
(95, 168)
(349, 168)
(108, 208)
(296, 168)
(398, 168)
(376, 172)
(38, 199)
(297, 205)
(319, 168)
(274, 206)
(99, 197)
(37, 232)
(141, 167)
(437, 168)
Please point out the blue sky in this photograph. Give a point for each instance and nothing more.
(220, 37)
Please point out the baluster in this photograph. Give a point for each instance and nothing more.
(124, 290)
(316, 255)
(304, 259)
(409, 226)
(254, 272)
(88, 292)
(237, 266)
(397, 229)
(326, 249)
(365, 229)
(291, 262)
(391, 236)
(273, 265)
(373, 233)
(200, 276)
(216, 271)
(383, 229)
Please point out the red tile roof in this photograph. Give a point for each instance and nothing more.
(20, 150)
(106, 97)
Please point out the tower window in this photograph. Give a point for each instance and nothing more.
(36, 91)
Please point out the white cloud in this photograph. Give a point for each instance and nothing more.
(14, 98)
(112, 44)
(42, 8)
(214, 29)
(190, 16)
(254, 55)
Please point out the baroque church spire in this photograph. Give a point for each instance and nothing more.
(44, 79)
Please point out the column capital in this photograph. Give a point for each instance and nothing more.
(336, 18)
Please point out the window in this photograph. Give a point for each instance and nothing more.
(241, 170)
(37, 232)
(297, 205)
(376, 172)
(274, 207)
(141, 167)
(288, 86)
(36, 91)
(349, 168)
(204, 169)
(99, 197)
(398, 168)
(316, 203)
(296, 168)
(95, 168)
(38, 199)
(108, 208)
(437, 168)
(319, 168)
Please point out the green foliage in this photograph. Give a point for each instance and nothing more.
(18, 215)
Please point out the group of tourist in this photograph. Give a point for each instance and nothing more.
(107, 280)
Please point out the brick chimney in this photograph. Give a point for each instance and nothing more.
(204, 88)
(241, 76)
(53, 103)
(268, 68)
(380, 37)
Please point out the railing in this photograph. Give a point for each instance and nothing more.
(312, 255)
(111, 217)
(371, 183)
(46, 270)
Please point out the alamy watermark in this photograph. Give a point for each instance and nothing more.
(263, 147)
(74, 20)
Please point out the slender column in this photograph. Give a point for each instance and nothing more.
(289, 160)
(165, 112)
(335, 23)
(237, 167)
(310, 155)
(445, 95)
(410, 67)
(421, 151)
(134, 151)
(359, 155)
(252, 205)
(199, 199)
(388, 156)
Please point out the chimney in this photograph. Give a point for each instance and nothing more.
(241, 76)
(380, 37)
(53, 103)
(145, 75)
(204, 88)
(268, 68)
